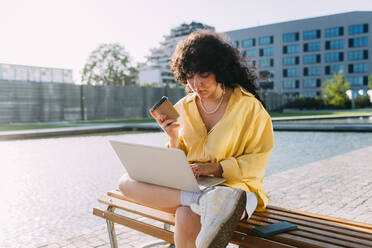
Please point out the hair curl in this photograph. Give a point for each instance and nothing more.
(207, 51)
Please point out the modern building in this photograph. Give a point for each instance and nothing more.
(23, 73)
(296, 57)
(156, 70)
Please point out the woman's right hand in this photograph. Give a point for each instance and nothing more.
(169, 126)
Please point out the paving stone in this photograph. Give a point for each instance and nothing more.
(340, 187)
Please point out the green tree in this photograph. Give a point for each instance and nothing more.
(108, 65)
(334, 91)
(370, 82)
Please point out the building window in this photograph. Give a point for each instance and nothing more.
(358, 55)
(267, 85)
(311, 59)
(168, 74)
(290, 37)
(358, 68)
(266, 74)
(290, 49)
(333, 57)
(263, 63)
(251, 53)
(266, 40)
(267, 51)
(333, 69)
(168, 81)
(358, 42)
(334, 32)
(248, 43)
(293, 60)
(291, 84)
(312, 83)
(336, 69)
(291, 72)
(312, 47)
(358, 29)
(310, 93)
(358, 81)
(334, 44)
(252, 63)
(312, 71)
(312, 34)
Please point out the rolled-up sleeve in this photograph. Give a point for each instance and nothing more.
(251, 166)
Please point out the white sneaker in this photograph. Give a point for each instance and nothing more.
(220, 210)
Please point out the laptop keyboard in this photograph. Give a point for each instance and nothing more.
(205, 182)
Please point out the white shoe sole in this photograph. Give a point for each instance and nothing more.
(226, 230)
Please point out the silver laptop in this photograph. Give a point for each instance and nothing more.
(161, 166)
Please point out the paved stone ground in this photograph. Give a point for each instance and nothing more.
(340, 187)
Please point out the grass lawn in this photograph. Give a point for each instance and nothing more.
(29, 127)
(116, 121)
(16, 127)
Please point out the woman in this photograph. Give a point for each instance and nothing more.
(224, 131)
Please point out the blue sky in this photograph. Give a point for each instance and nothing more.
(56, 33)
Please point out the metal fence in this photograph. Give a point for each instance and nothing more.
(50, 102)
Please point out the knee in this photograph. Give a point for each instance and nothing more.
(187, 222)
(125, 185)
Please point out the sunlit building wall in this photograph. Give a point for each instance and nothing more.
(296, 57)
(22, 73)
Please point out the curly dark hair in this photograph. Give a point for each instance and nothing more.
(207, 51)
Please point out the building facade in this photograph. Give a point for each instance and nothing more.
(23, 73)
(156, 70)
(296, 57)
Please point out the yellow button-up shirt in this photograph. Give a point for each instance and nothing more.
(241, 141)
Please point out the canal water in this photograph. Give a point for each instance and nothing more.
(48, 187)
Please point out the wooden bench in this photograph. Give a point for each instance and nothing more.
(313, 230)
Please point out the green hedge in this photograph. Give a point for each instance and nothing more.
(313, 103)
(362, 102)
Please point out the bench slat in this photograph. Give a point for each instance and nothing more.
(135, 224)
(119, 195)
(138, 209)
(317, 229)
(324, 225)
(238, 238)
(339, 228)
(325, 239)
(275, 213)
(255, 242)
(289, 238)
(314, 230)
(318, 216)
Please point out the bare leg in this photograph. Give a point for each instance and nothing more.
(149, 194)
(187, 223)
(187, 227)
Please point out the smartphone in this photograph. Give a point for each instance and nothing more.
(276, 228)
(164, 106)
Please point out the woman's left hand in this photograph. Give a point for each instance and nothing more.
(206, 169)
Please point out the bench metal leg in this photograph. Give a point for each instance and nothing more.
(114, 241)
(111, 229)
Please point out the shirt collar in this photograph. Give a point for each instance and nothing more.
(238, 92)
(190, 97)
